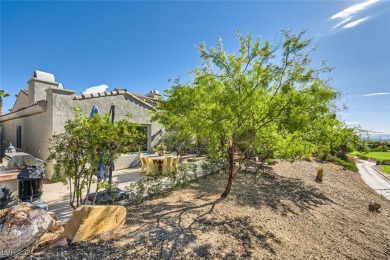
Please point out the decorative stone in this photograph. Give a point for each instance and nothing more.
(374, 206)
(51, 237)
(60, 242)
(56, 228)
(108, 197)
(90, 220)
(21, 226)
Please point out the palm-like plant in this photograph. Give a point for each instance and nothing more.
(3, 94)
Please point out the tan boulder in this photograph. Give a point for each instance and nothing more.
(59, 242)
(51, 235)
(88, 220)
(21, 226)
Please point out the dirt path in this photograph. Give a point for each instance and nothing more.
(374, 179)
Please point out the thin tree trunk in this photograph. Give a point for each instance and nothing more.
(222, 147)
(231, 171)
(89, 186)
(71, 194)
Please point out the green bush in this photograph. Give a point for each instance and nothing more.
(271, 162)
(383, 162)
(351, 165)
(363, 156)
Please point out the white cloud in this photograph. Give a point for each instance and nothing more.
(354, 23)
(347, 14)
(342, 22)
(95, 89)
(353, 10)
(376, 94)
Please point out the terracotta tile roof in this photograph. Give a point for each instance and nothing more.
(145, 99)
(38, 103)
(148, 100)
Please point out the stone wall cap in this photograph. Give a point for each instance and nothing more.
(60, 90)
(43, 81)
(148, 101)
(45, 76)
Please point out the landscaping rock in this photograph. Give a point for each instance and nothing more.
(373, 206)
(52, 235)
(108, 198)
(59, 242)
(21, 226)
(87, 221)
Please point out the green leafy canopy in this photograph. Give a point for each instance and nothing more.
(261, 94)
(76, 153)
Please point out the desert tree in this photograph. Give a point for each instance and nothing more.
(76, 153)
(262, 92)
(3, 94)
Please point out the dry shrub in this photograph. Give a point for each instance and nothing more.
(320, 174)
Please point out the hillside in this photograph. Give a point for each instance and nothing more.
(280, 214)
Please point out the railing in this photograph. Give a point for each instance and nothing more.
(384, 192)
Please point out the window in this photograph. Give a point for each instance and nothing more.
(19, 137)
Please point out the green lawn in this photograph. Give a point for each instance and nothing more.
(375, 155)
(386, 169)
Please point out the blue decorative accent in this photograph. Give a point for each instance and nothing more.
(94, 111)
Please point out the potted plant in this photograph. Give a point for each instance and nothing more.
(161, 148)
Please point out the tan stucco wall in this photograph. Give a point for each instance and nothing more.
(21, 101)
(40, 123)
(124, 104)
(37, 89)
(35, 130)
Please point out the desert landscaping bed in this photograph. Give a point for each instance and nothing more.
(281, 213)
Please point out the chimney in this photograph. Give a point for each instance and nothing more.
(154, 94)
(38, 84)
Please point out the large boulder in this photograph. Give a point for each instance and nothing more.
(21, 226)
(50, 237)
(87, 221)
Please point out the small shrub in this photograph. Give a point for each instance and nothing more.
(350, 164)
(320, 174)
(383, 162)
(271, 162)
(6, 197)
(363, 156)
(211, 166)
(150, 186)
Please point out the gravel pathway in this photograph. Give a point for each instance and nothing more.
(281, 212)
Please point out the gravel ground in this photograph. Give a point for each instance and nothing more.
(281, 213)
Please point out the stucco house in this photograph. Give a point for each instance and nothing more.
(41, 111)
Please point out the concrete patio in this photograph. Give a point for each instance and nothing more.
(56, 195)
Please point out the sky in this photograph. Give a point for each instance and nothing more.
(139, 46)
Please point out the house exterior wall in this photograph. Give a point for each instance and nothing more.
(21, 101)
(45, 110)
(124, 104)
(37, 88)
(40, 122)
(36, 130)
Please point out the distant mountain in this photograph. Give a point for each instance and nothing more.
(378, 137)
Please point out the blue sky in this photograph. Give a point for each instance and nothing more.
(140, 45)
